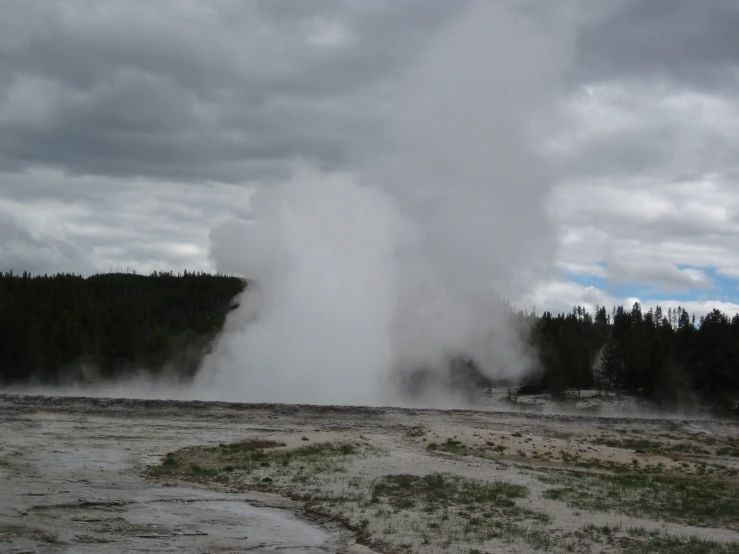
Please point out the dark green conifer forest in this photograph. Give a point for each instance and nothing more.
(665, 355)
(65, 329)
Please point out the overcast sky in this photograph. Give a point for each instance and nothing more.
(130, 129)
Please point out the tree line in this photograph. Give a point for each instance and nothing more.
(55, 329)
(66, 328)
(662, 354)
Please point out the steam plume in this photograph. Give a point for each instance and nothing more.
(405, 263)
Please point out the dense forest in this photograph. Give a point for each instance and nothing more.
(663, 355)
(66, 328)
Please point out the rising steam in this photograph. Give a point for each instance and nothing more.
(403, 264)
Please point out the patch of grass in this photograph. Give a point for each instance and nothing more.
(323, 449)
(200, 470)
(253, 444)
(630, 444)
(201, 463)
(415, 432)
(638, 540)
(170, 461)
(558, 493)
(655, 543)
(680, 446)
(454, 510)
(681, 500)
(9, 532)
(452, 446)
(440, 491)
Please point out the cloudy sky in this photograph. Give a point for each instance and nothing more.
(130, 129)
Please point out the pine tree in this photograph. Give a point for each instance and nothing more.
(609, 369)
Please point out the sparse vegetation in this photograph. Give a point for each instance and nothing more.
(656, 543)
(252, 455)
(450, 445)
(440, 509)
(652, 446)
(638, 540)
(439, 491)
(460, 509)
(676, 499)
(170, 461)
(415, 432)
(453, 513)
(256, 444)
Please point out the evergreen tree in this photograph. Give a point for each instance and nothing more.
(52, 327)
(609, 370)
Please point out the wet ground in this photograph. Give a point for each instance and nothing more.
(72, 476)
(70, 482)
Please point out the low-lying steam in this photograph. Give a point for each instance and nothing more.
(404, 264)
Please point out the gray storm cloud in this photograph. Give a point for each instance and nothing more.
(406, 262)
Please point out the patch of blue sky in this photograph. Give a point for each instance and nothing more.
(724, 289)
(586, 280)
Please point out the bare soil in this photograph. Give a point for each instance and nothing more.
(121, 475)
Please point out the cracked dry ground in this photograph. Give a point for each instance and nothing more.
(375, 479)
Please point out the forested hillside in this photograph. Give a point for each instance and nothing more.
(66, 328)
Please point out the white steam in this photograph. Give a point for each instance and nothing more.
(405, 263)
(316, 327)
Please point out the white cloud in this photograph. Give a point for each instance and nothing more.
(648, 182)
(593, 270)
(115, 223)
(731, 272)
(328, 33)
(646, 168)
(646, 218)
(662, 274)
(38, 253)
(561, 296)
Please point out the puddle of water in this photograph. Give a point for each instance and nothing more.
(76, 494)
(176, 520)
(228, 522)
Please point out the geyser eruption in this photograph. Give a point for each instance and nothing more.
(316, 326)
(403, 265)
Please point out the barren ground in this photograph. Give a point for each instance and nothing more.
(92, 475)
